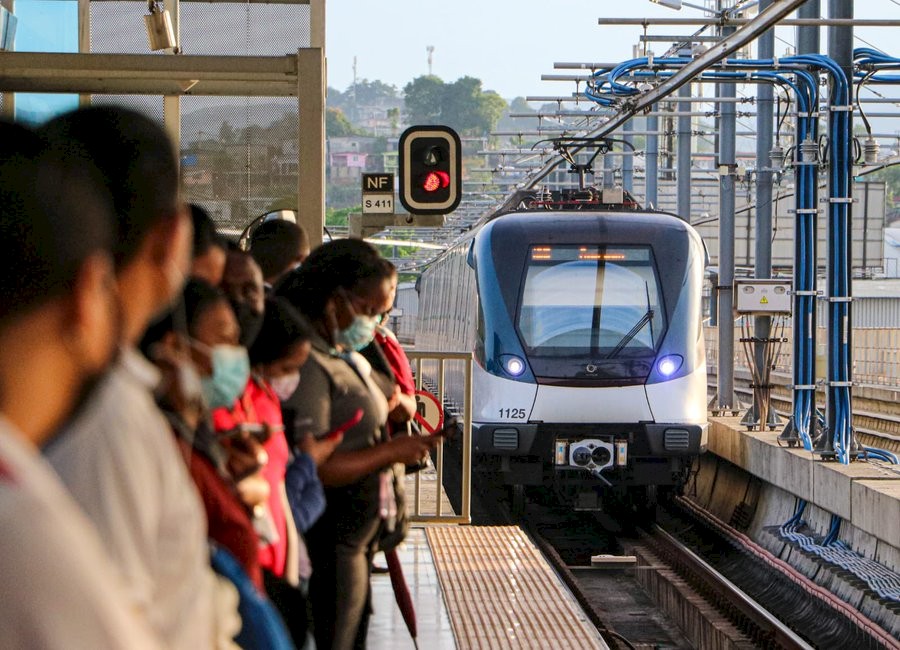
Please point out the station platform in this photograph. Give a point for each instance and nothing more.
(864, 493)
(478, 587)
(838, 525)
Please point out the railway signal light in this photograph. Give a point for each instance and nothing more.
(430, 169)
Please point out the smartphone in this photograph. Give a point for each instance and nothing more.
(343, 428)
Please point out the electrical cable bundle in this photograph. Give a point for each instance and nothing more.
(881, 580)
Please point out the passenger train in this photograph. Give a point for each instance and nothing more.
(585, 324)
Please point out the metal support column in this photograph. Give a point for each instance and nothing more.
(684, 156)
(651, 175)
(628, 157)
(8, 111)
(608, 170)
(172, 103)
(840, 259)
(808, 37)
(727, 168)
(84, 40)
(311, 150)
(764, 181)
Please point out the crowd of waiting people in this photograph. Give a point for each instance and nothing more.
(199, 444)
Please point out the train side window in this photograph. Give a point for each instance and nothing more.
(479, 333)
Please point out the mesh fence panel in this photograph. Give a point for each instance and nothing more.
(117, 27)
(238, 155)
(149, 105)
(251, 29)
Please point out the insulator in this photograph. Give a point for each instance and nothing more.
(776, 155)
(870, 150)
(809, 151)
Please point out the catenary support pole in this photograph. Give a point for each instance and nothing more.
(683, 159)
(628, 159)
(764, 177)
(727, 168)
(651, 182)
(840, 49)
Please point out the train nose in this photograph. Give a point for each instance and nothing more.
(567, 404)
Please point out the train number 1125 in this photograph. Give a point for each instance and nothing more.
(512, 413)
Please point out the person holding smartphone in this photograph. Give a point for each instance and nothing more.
(341, 288)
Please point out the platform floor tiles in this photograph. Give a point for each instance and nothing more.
(387, 629)
(478, 588)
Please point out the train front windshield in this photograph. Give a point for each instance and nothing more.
(591, 301)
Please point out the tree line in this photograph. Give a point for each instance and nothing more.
(462, 104)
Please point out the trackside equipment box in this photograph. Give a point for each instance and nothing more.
(762, 297)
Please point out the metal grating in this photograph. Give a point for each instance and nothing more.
(252, 29)
(117, 27)
(501, 593)
(506, 438)
(150, 105)
(239, 155)
(677, 439)
(223, 28)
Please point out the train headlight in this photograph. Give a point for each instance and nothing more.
(512, 364)
(669, 364)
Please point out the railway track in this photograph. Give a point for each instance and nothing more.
(701, 576)
(876, 421)
(674, 595)
(694, 582)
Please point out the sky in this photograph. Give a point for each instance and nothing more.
(509, 44)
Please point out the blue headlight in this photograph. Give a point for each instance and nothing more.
(669, 364)
(513, 365)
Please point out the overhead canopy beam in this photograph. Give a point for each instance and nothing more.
(149, 74)
(685, 75)
(268, 2)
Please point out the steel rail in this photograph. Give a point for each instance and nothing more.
(723, 588)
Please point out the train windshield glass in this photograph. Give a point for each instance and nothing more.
(591, 300)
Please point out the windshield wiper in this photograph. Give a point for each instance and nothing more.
(646, 318)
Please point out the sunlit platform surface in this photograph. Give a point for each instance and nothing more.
(387, 629)
(478, 587)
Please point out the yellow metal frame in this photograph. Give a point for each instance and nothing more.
(464, 517)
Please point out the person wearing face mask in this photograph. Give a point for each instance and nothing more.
(57, 319)
(204, 318)
(205, 322)
(118, 459)
(277, 357)
(341, 288)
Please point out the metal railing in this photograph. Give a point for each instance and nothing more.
(454, 391)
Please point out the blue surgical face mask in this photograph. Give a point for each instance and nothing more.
(359, 333)
(231, 370)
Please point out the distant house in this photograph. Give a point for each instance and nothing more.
(348, 143)
(390, 161)
(286, 161)
(347, 167)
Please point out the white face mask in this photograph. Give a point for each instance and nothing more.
(284, 386)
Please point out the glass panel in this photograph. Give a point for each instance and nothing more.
(591, 300)
(45, 26)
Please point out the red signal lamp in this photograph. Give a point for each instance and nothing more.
(435, 180)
